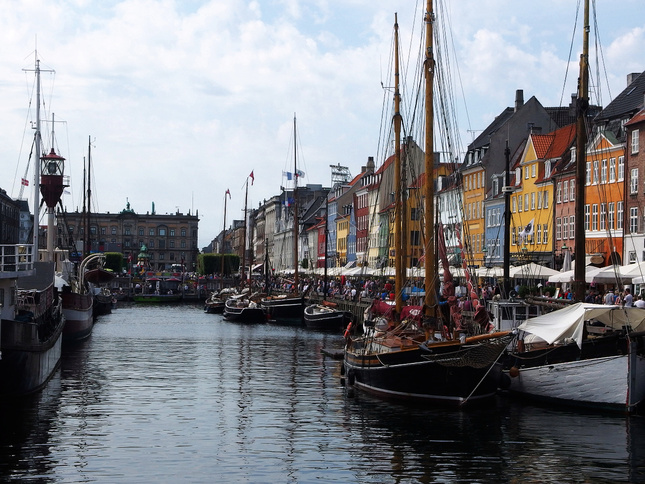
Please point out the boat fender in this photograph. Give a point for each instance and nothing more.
(351, 378)
(349, 327)
(514, 372)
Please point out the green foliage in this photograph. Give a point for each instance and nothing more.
(212, 263)
(524, 291)
(114, 261)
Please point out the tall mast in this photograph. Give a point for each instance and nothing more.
(581, 158)
(295, 206)
(224, 234)
(88, 238)
(246, 197)
(507, 221)
(326, 239)
(429, 212)
(398, 245)
(37, 165)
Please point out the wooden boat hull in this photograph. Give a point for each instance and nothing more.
(289, 310)
(244, 314)
(326, 319)
(611, 381)
(214, 307)
(447, 374)
(78, 310)
(28, 363)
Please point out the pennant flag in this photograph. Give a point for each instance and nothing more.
(252, 178)
(300, 173)
(288, 175)
(228, 192)
(25, 182)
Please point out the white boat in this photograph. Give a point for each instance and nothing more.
(587, 355)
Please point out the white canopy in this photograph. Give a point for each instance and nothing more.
(568, 276)
(532, 271)
(626, 273)
(490, 271)
(569, 322)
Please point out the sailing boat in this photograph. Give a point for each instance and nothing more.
(30, 307)
(399, 355)
(215, 302)
(97, 277)
(557, 359)
(245, 307)
(289, 308)
(326, 316)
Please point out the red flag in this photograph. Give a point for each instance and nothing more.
(25, 182)
(228, 192)
(252, 178)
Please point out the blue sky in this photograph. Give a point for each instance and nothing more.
(185, 98)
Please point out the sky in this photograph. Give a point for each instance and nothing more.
(184, 99)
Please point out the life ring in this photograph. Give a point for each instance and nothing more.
(349, 327)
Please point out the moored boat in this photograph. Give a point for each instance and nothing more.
(326, 317)
(586, 355)
(31, 330)
(407, 352)
(284, 309)
(244, 309)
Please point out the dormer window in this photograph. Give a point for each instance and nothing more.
(547, 168)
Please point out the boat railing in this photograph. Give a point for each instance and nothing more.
(16, 258)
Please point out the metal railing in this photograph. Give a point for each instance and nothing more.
(16, 258)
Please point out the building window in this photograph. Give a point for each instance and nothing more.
(520, 199)
(162, 232)
(545, 204)
(183, 232)
(141, 232)
(612, 170)
(572, 190)
(587, 216)
(151, 232)
(126, 230)
(565, 191)
(603, 215)
(633, 182)
(113, 230)
(526, 173)
(572, 226)
(162, 255)
(603, 171)
(545, 233)
(526, 201)
(595, 172)
(514, 204)
(619, 215)
(533, 170)
(594, 216)
(621, 168)
(558, 193)
(565, 228)
(635, 135)
(151, 244)
(558, 228)
(539, 234)
(610, 219)
(633, 220)
(588, 173)
(103, 230)
(183, 244)
(533, 201)
(162, 243)
(172, 232)
(172, 244)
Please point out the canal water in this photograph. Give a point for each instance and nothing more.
(171, 394)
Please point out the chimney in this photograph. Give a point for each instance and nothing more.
(519, 99)
(632, 77)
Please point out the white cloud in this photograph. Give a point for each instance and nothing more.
(186, 98)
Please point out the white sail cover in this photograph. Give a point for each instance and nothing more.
(568, 323)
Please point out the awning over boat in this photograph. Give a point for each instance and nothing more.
(568, 323)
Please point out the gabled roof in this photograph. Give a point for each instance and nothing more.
(629, 100)
(638, 118)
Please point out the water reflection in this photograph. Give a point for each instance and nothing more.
(173, 394)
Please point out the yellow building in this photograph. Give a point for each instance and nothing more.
(532, 204)
(474, 190)
(342, 233)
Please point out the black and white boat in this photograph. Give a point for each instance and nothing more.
(326, 317)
